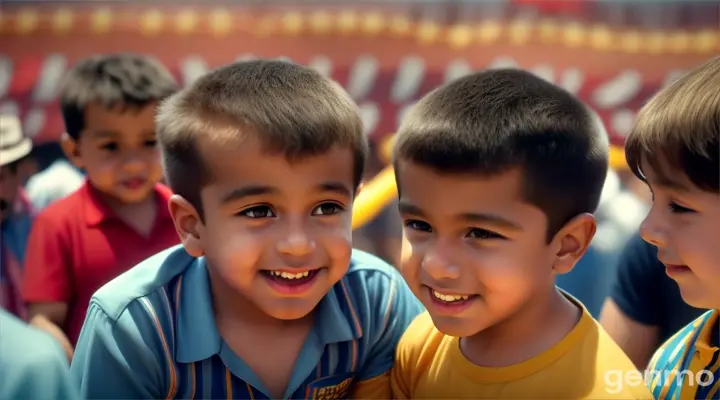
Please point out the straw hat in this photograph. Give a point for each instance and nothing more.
(13, 144)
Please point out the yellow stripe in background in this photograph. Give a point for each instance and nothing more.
(221, 22)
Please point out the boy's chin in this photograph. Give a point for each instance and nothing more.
(291, 312)
(457, 327)
(132, 197)
(699, 297)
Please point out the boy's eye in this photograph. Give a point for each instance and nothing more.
(257, 212)
(327, 209)
(418, 225)
(477, 233)
(676, 208)
(150, 143)
(110, 146)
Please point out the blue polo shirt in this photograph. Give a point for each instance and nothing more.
(32, 364)
(151, 333)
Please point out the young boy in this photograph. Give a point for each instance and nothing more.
(15, 213)
(265, 298)
(675, 148)
(498, 174)
(32, 366)
(119, 216)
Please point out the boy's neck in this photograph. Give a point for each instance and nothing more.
(533, 330)
(140, 216)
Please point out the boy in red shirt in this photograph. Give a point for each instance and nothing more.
(119, 216)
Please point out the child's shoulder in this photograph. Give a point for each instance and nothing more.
(420, 340)
(370, 280)
(65, 210)
(420, 332)
(374, 296)
(31, 346)
(688, 335)
(147, 282)
(364, 265)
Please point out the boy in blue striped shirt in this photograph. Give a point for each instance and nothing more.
(675, 148)
(265, 298)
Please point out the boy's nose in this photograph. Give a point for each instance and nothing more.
(296, 242)
(440, 267)
(652, 231)
(134, 165)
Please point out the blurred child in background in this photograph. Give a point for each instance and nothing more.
(119, 216)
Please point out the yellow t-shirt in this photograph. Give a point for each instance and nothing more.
(687, 366)
(586, 364)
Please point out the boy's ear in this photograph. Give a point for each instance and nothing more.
(571, 242)
(187, 224)
(72, 151)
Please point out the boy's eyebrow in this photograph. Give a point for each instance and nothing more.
(105, 134)
(667, 183)
(337, 187)
(258, 190)
(478, 218)
(407, 208)
(247, 191)
(491, 219)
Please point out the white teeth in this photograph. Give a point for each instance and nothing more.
(287, 275)
(449, 298)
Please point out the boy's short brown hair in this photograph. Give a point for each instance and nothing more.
(294, 110)
(681, 126)
(120, 79)
(493, 121)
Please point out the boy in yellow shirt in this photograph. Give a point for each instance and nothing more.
(498, 175)
(675, 148)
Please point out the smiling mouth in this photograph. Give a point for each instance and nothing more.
(451, 299)
(291, 278)
(672, 269)
(134, 183)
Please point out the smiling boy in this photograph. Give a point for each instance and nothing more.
(266, 298)
(675, 148)
(498, 175)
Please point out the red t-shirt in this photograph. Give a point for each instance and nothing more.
(78, 244)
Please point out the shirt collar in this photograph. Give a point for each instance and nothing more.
(97, 210)
(334, 318)
(703, 345)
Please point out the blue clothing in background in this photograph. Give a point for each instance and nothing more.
(32, 364)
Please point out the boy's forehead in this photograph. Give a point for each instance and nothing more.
(119, 119)
(459, 194)
(119, 108)
(249, 165)
(658, 172)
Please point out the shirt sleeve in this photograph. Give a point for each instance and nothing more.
(407, 357)
(48, 269)
(635, 287)
(40, 373)
(119, 359)
(400, 376)
(399, 311)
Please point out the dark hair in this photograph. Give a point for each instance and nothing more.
(45, 154)
(124, 79)
(493, 121)
(293, 109)
(681, 125)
